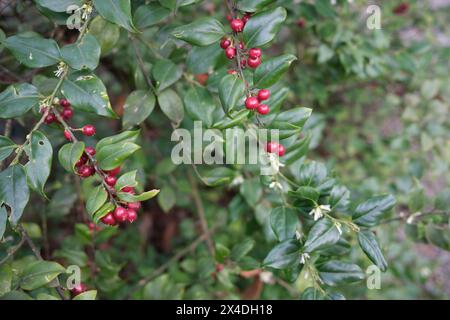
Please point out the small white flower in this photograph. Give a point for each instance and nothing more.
(304, 257)
(266, 277)
(298, 235)
(338, 226)
(319, 211)
(237, 181)
(275, 185)
(60, 70)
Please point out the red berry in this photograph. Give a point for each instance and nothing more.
(86, 171)
(219, 267)
(109, 219)
(128, 189)
(68, 135)
(232, 72)
(88, 130)
(245, 18)
(243, 63)
(237, 25)
(121, 214)
(90, 151)
(67, 113)
(241, 45)
(225, 43)
(134, 205)
(251, 103)
(301, 23)
(263, 109)
(402, 8)
(230, 52)
(229, 17)
(272, 147)
(281, 150)
(78, 289)
(253, 62)
(50, 118)
(263, 94)
(83, 159)
(64, 103)
(114, 172)
(91, 226)
(132, 215)
(110, 180)
(255, 53)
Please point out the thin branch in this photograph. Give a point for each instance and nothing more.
(13, 251)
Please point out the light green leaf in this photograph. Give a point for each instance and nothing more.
(106, 33)
(150, 14)
(40, 273)
(69, 154)
(138, 106)
(218, 176)
(171, 105)
(240, 250)
(127, 179)
(85, 53)
(126, 136)
(112, 156)
(370, 212)
(3, 219)
(96, 199)
(147, 195)
(17, 99)
(291, 121)
(87, 295)
(283, 221)
(6, 147)
(253, 5)
(165, 73)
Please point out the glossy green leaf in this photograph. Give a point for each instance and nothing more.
(335, 273)
(69, 154)
(271, 71)
(171, 105)
(96, 199)
(263, 27)
(283, 255)
(199, 105)
(283, 221)
(3, 219)
(370, 212)
(14, 191)
(33, 51)
(40, 273)
(147, 195)
(85, 53)
(312, 174)
(253, 5)
(112, 156)
(369, 244)
(40, 156)
(103, 211)
(116, 11)
(127, 179)
(204, 59)
(297, 150)
(59, 5)
(323, 234)
(165, 73)
(291, 121)
(86, 92)
(201, 32)
(339, 198)
(126, 136)
(231, 90)
(18, 99)
(6, 147)
(237, 118)
(138, 106)
(150, 14)
(315, 294)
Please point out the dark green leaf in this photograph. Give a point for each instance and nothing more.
(69, 154)
(339, 198)
(240, 250)
(40, 273)
(219, 176)
(126, 136)
(270, 71)
(165, 73)
(238, 117)
(253, 5)
(14, 191)
(137, 108)
(150, 14)
(166, 198)
(3, 219)
(17, 99)
(106, 33)
(6, 147)
(291, 121)
(369, 244)
(370, 212)
(204, 59)
(40, 156)
(85, 53)
(263, 27)
(201, 32)
(116, 11)
(283, 255)
(323, 234)
(59, 5)
(200, 105)
(231, 90)
(284, 223)
(335, 273)
(96, 198)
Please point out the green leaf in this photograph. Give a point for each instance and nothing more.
(339, 198)
(283, 221)
(166, 198)
(3, 219)
(218, 176)
(59, 5)
(14, 191)
(284, 255)
(200, 105)
(87, 295)
(106, 33)
(150, 14)
(370, 212)
(69, 154)
(127, 179)
(297, 150)
(306, 193)
(40, 273)
(238, 117)
(442, 201)
(201, 32)
(253, 5)
(416, 199)
(171, 105)
(18, 99)
(85, 53)
(240, 250)
(6, 147)
(270, 71)
(126, 136)
(40, 156)
(86, 92)
(251, 191)
(33, 51)
(369, 244)
(231, 89)
(127, 197)
(323, 234)
(263, 27)
(291, 121)
(112, 156)
(103, 211)
(312, 174)
(335, 273)
(204, 59)
(116, 11)
(165, 73)
(96, 199)
(137, 108)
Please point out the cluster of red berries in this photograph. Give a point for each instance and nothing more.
(274, 147)
(66, 112)
(123, 214)
(253, 102)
